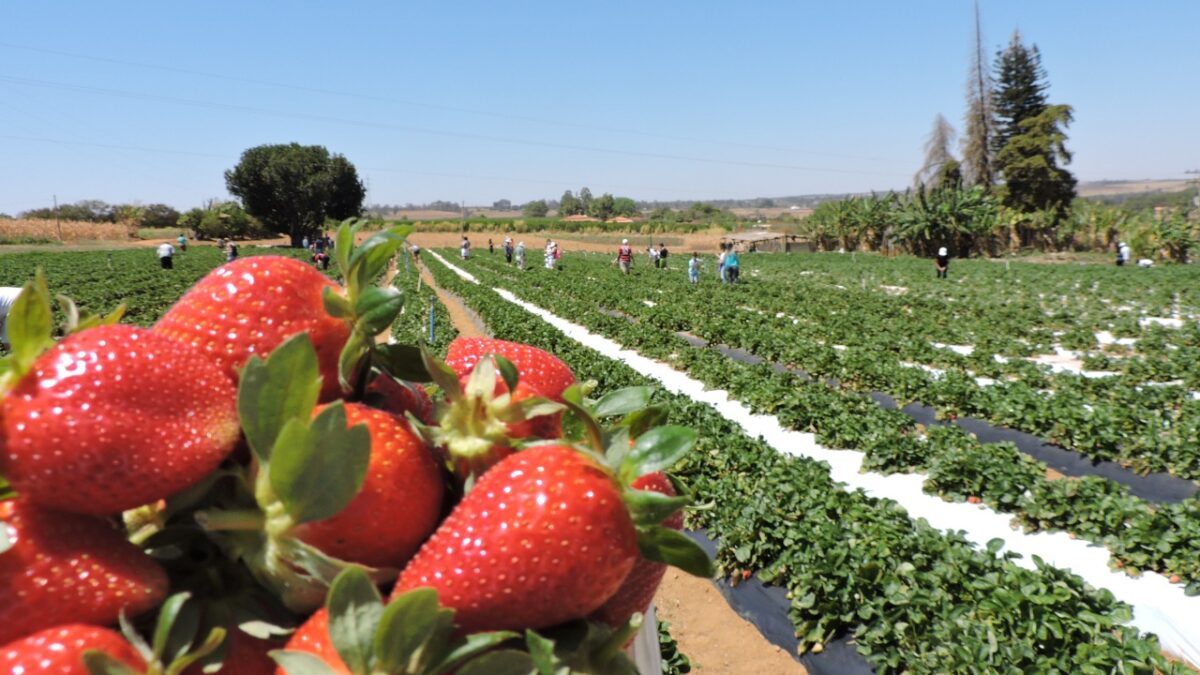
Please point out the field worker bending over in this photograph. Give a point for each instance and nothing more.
(943, 262)
(624, 256)
(166, 253)
(8, 297)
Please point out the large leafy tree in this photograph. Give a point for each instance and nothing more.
(977, 167)
(1034, 179)
(294, 188)
(1020, 90)
(536, 209)
(569, 205)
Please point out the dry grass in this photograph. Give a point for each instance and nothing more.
(23, 230)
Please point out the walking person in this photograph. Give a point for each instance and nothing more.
(721, 264)
(624, 256)
(943, 262)
(231, 253)
(464, 247)
(520, 255)
(166, 255)
(550, 254)
(8, 298)
(662, 255)
(508, 250)
(694, 268)
(491, 247)
(732, 265)
(182, 240)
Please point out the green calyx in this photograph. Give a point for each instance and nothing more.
(306, 469)
(412, 635)
(474, 425)
(30, 325)
(634, 446)
(173, 646)
(370, 309)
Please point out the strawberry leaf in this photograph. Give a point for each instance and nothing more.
(30, 324)
(175, 628)
(376, 308)
(651, 508)
(406, 626)
(541, 650)
(507, 371)
(402, 362)
(470, 647)
(358, 346)
(344, 246)
(300, 663)
(355, 608)
(657, 449)
(442, 375)
(6, 490)
(664, 545)
(284, 387)
(369, 258)
(336, 304)
(503, 662)
(623, 401)
(315, 471)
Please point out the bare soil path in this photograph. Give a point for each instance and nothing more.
(465, 321)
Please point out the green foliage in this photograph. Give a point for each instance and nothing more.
(1020, 92)
(294, 188)
(222, 220)
(1177, 234)
(536, 209)
(1030, 162)
(602, 207)
(569, 205)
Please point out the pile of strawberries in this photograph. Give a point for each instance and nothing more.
(255, 485)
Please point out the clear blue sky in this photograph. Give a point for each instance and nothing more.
(478, 101)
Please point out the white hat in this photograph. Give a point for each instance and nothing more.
(942, 251)
(624, 241)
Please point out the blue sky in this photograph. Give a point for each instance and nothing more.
(478, 101)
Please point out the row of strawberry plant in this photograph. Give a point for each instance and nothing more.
(412, 326)
(1146, 429)
(916, 600)
(102, 279)
(1140, 536)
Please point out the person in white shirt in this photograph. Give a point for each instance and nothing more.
(8, 298)
(166, 253)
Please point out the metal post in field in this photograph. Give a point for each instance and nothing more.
(431, 335)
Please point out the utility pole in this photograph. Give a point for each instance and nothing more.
(57, 220)
(1196, 182)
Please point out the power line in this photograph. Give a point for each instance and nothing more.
(417, 130)
(431, 106)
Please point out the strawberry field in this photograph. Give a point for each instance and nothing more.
(1097, 361)
(786, 379)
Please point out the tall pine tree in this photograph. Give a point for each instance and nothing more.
(1020, 90)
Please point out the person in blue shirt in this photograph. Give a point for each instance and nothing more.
(694, 269)
(732, 265)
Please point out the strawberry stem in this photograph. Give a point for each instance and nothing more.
(241, 520)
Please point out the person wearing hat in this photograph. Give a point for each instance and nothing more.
(1123, 253)
(624, 256)
(943, 262)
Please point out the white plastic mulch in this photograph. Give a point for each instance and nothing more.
(1159, 606)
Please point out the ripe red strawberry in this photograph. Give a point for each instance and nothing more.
(250, 306)
(481, 423)
(64, 567)
(540, 374)
(313, 638)
(401, 397)
(60, 650)
(542, 538)
(639, 587)
(398, 505)
(114, 417)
